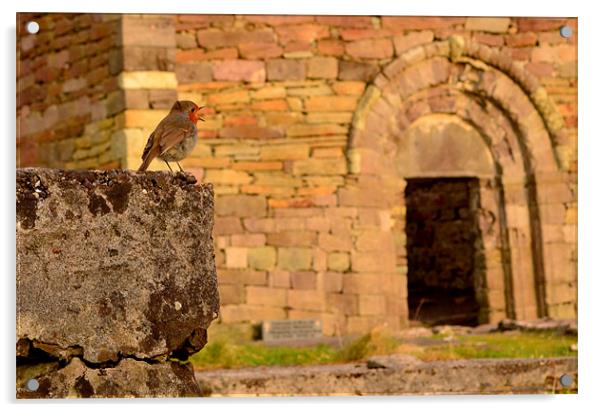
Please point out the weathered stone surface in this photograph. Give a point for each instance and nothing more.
(114, 265)
(483, 376)
(130, 378)
(567, 326)
(391, 361)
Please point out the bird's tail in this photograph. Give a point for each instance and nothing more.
(146, 161)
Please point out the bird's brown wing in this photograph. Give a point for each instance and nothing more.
(170, 134)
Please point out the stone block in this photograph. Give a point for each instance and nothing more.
(248, 240)
(374, 240)
(334, 243)
(373, 262)
(241, 277)
(306, 299)
(320, 260)
(89, 240)
(257, 166)
(283, 118)
(351, 88)
(236, 257)
(194, 73)
(562, 293)
(145, 58)
(302, 130)
(301, 33)
(342, 304)
(152, 31)
(285, 69)
(370, 283)
(260, 225)
(364, 324)
(215, 39)
(186, 40)
(227, 226)
(294, 258)
(193, 55)
(227, 177)
(488, 24)
(285, 152)
(329, 117)
(249, 132)
(411, 40)
(229, 97)
(161, 99)
(252, 313)
(331, 103)
(266, 296)
(278, 20)
(269, 92)
(338, 262)
(253, 50)
(231, 294)
(143, 119)
(147, 80)
(279, 279)
(274, 105)
(320, 167)
(539, 24)
(363, 33)
(262, 258)
(332, 282)
(241, 206)
(370, 49)
(372, 305)
(303, 280)
(555, 54)
(331, 47)
(322, 68)
(296, 238)
(521, 39)
(252, 71)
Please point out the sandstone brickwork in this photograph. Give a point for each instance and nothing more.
(307, 143)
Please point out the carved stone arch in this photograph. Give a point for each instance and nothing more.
(482, 88)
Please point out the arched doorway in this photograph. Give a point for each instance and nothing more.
(458, 109)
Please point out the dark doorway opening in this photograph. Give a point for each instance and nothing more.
(442, 241)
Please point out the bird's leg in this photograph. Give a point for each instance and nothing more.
(168, 166)
(181, 170)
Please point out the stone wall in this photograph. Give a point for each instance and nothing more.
(115, 281)
(395, 376)
(306, 143)
(67, 90)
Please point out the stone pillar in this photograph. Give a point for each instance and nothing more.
(147, 81)
(115, 281)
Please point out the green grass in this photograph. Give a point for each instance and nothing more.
(496, 345)
(230, 355)
(222, 353)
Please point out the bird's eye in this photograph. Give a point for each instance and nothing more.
(192, 110)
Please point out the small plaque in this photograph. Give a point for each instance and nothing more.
(291, 329)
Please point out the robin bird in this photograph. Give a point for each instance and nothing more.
(175, 136)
